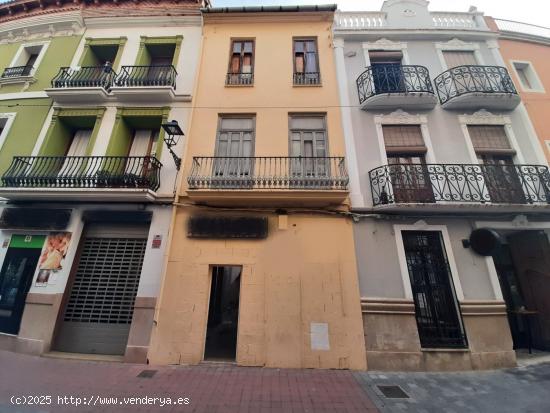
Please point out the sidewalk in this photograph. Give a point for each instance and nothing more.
(210, 388)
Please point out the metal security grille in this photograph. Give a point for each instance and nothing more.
(106, 281)
(437, 315)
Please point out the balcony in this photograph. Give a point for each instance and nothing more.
(145, 84)
(476, 87)
(17, 74)
(89, 84)
(239, 79)
(395, 86)
(112, 178)
(448, 184)
(307, 78)
(284, 181)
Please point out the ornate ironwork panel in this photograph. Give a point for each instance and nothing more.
(17, 71)
(239, 79)
(135, 76)
(473, 79)
(86, 76)
(307, 78)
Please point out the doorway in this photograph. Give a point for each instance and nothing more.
(522, 266)
(16, 278)
(223, 313)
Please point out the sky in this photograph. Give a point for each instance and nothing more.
(528, 11)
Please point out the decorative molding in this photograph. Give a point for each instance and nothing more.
(124, 111)
(484, 117)
(483, 308)
(397, 306)
(42, 27)
(400, 117)
(457, 44)
(387, 45)
(66, 112)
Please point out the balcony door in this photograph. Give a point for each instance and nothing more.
(502, 179)
(410, 179)
(234, 163)
(72, 163)
(143, 147)
(387, 72)
(308, 150)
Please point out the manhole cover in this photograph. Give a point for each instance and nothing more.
(147, 374)
(393, 392)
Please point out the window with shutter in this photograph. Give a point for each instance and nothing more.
(308, 139)
(306, 62)
(403, 139)
(455, 58)
(241, 63)
(489, 139)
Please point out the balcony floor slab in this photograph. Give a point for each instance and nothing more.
(409, 100)
(140, 94)
(461, 208)
(79, 194)
(72, 95)
(479, 100)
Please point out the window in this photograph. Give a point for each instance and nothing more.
(308, 147)
(454, 58)
(306, 62)
(6, 120)
(436, 309)
(25, 62)
(405, 150)
(241, 63)
(528, 78)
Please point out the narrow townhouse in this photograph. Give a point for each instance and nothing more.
(261, 265)
(89, 164)
(450, 189)
(525, 49)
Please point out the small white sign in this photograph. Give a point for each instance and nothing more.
(319, 336)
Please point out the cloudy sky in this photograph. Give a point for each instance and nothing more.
(529, 11)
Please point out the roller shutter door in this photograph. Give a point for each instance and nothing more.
(99, 308)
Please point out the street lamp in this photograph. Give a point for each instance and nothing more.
(173, 133)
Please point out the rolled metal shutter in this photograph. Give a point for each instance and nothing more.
(100, 305)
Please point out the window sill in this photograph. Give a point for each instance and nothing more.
(445, 350)
(229, 85)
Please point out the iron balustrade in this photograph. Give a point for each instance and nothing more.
(268, 172)
(392, 78)
(17, 71)
(239, 79)
(430, 183)
(307, 78)
(86, 76)
(136, 76)
(461, 80)
(83, 172)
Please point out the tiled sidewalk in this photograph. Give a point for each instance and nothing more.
(211, 388)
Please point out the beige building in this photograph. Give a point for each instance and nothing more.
(261, 266)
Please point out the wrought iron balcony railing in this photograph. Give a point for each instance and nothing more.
(239, 79)
(86, 76)
(461, 80)
(273, 172)
(83, 172)
(17, 71)
(383, 79)
(136, 76)
(307, 78)
(429, 183)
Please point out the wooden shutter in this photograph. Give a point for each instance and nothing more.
(490, 139)
(403, 139)
(459, 58)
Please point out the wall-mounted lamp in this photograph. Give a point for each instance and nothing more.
(173, 133)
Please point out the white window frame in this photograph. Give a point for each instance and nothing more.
(400, 117)
(9, 117)
(536, 84)
(483, 117)
(456, 45)
(44, 47)
(386, 46)
(423, 226)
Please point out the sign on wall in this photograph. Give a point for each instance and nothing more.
(53, 255)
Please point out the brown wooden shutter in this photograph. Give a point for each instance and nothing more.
(403, 139)
(490, 139)
(459, 58)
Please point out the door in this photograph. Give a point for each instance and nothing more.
(410, 179)
(73, 164)
(309, 163)
(223, 313)
(388, 77)
(15, 279)
(502, 179)
(530, 252)
(233, 164)
(436, 307)
(99, 302)
(138, 165)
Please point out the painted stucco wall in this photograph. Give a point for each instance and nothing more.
(536, 103)
(299, 275)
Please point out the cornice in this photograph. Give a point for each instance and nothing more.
(289, 17)
(42, 27)
(130, 21)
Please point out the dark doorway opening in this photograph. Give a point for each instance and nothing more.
(522, 266)
(223, 313)
(15, 281)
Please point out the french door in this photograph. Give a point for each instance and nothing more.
(436, 307)
(309, 164)
(388, 77)
(502, 179)
(410, 179)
